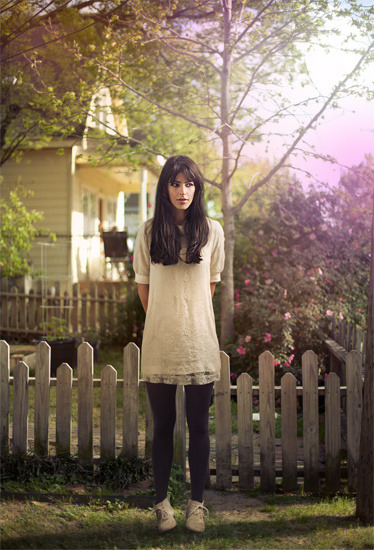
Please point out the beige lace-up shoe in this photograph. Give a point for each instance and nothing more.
(165, 516)
(195, 516)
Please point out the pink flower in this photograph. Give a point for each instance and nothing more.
(248, 338)
(324, 227)
(356, 245)
(285, 294)
(329, 313)
(291, 188)
(350, 231)
(237, 296)
(241, 350)
(247, 281)
(320, 271)
(261, 232)
(276, 363)
(268, 281)
(341, 316)
(149, 205)
(238, 306)
(267, 337)
(274, 252)
(312, 237)
(287, 315)
(291, 358)
(135, 328)
(286, 364)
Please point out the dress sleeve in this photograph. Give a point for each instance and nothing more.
(217, 260)
(142, 258)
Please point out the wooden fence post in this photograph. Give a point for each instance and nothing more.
(332, 431)
(180, 430)
(289, 432)
(223, 425)
(131, 361)
(42, 380)
(31, 310)
(20, 407)
(310, 420)
(4, 397)
(354, 411)
(108, 402)
(13, 307)
(63, 409)
(85, 403)
(93, 306)
(245, 431)
(75, 312)
(267, 421)
(84, 311)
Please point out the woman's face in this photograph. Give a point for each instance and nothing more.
(181, 194)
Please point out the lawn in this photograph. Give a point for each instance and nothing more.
(236, 520)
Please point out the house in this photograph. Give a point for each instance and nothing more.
(79, 202)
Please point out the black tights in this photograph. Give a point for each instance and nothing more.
(162, 400)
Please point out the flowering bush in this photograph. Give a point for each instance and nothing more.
(300, 259)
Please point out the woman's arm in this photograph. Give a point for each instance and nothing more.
(143, 291)
(212, 288)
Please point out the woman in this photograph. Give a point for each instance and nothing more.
(178, 258)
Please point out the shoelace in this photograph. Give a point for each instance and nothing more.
(202, 508)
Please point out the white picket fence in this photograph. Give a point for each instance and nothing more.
(245, 391)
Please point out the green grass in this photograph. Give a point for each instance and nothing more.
(276, 521)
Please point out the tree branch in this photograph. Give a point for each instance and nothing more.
(303, 131)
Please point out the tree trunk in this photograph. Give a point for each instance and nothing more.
(227, 292)
(365, 490)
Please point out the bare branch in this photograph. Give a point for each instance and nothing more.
(253, 22)
(303, 131)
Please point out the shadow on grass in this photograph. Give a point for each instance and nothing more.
(130, 529)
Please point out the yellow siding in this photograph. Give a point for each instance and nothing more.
(47, 174)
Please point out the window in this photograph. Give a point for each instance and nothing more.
(89, 209)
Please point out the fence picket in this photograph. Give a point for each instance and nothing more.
(22, 311)
(180, 430)
(108, 404)
(13, 308)
(245, 431)
(64, 396)
(354, 410)
(93, 306)
(223, 425)
(75, 310)
(85, 403)
(42, 380)
(310, 420)
(131, 361)
(31, 310)
(289, 432)
(267, 421)
(4, 397)
(20, 407)
(332, 432)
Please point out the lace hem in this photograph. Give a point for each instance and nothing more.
(198, 379)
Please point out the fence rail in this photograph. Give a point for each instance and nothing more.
(245, 391)
(344, 337)
(31, 314)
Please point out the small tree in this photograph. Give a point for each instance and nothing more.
(17, 232)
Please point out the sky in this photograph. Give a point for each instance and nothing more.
(347, 133)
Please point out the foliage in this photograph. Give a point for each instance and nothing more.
(301, 258)
(115, 474)
(17, 232)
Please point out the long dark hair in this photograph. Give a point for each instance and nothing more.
(165, 242)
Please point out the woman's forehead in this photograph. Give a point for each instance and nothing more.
(182, 174)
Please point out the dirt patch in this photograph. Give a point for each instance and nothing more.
(229, 501)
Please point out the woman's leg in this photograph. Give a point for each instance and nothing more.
(198, 398)
(162, 400)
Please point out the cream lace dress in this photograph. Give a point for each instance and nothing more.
(180, 344)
